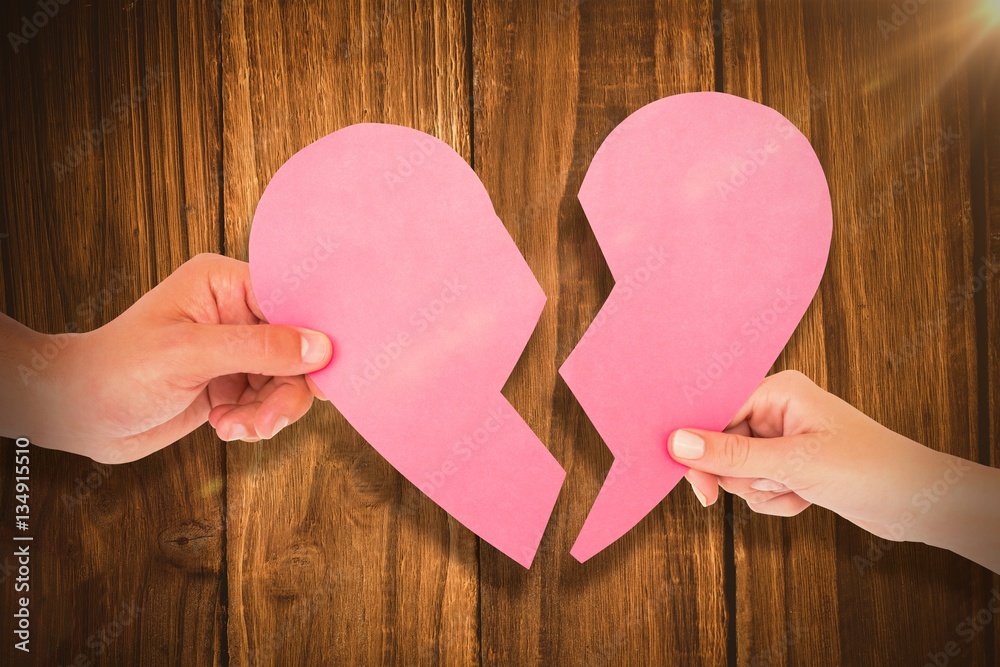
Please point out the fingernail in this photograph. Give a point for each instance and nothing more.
(698, 494)
(687, 445)
(315, 347)
(767, 485)
(278, 425)
(236, 432)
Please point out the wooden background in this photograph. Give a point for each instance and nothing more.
(138, 133)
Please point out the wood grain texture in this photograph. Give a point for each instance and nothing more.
(779, 559)
(311, 549)
(887, 114)
(333, 557)
(552, 80)
(105, 194)
(989, 134)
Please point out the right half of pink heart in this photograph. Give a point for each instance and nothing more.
(714, 216)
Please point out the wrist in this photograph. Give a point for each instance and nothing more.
(18, 380)
(34, 371)
(966, 515)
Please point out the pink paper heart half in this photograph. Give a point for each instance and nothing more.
(714, 216)
(383, 238)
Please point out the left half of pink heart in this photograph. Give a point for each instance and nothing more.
(385, 239)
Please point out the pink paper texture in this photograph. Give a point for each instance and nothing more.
(383, 238)
(715, 219)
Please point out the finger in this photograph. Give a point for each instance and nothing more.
(237, 423)
(264, 418)
(704, 485)
(231, 277)
(744, 488)
(261, 387)
(752, 484)
(787, 504)
(211, 350)
(228, 282)
(226, 389)
(316, 391)
(252, 394)
(258, 381)
(766, 408)
(220, 411)
(742, 428)
(764, 484)
(730, 454)
(287, 404)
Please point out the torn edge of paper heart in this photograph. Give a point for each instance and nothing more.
(430, 305)
(715, 219)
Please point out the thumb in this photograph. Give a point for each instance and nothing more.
(731, 454)
(213, 350)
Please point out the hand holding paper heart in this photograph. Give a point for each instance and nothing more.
(192, 349)
(715, 219)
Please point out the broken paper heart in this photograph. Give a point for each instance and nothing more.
(715, 219)
(383, 238)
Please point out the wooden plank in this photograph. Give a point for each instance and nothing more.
(5, 263)
(989, 76)
(333, 557)
(770, 545)
(4, 266)
(552, 80)
(874, 104)
(97, 177)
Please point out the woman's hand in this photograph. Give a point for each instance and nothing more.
(793, 445)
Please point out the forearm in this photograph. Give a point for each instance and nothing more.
(27, 377)
(968, 519)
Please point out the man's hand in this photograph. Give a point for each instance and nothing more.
(194, 348)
